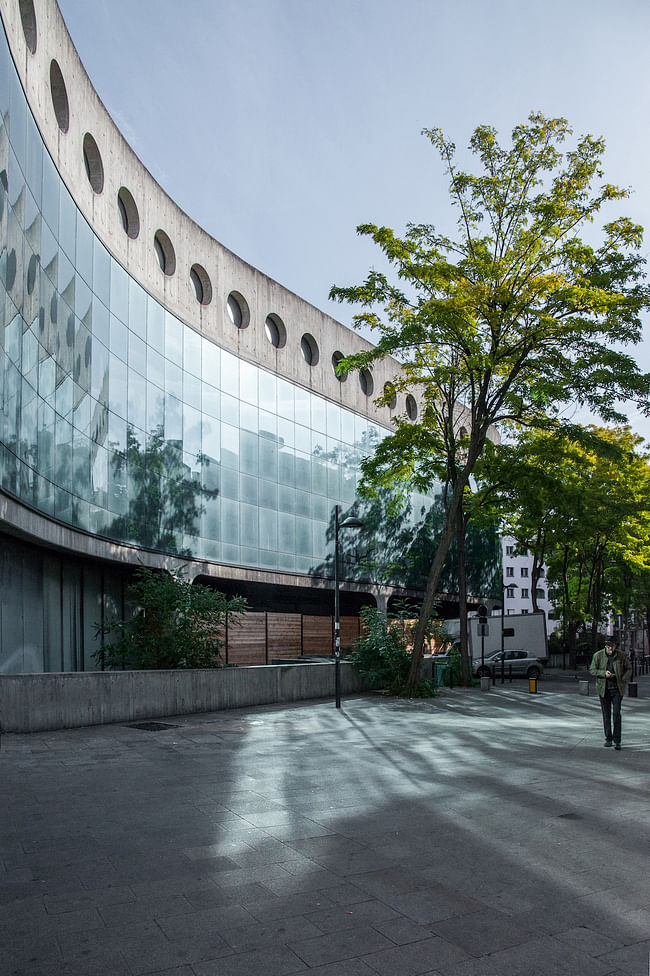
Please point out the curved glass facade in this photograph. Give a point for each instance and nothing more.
(119, 419)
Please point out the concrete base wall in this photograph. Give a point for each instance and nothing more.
(40, 702)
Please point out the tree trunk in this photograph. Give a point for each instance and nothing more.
(597, 603)
(462, 596)
(572, 634)
(536, 571)
(435, 572)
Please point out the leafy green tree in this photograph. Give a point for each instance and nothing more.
(175, 624)
(627, 574)
(581, 503)
(508, 321)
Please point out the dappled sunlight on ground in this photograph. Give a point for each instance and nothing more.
(474, 833)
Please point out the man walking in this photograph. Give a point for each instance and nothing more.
(612, 670)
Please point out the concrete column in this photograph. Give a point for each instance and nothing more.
(381, 597)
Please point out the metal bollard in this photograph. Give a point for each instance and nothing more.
(532, 686)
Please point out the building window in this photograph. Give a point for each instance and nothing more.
(510, 592)
(338, 357)
(510, 570)
(309, 349)
(201, 284)
(164, 252)
(524, 593)
(366, 382)
(390, 395)
(275, 331)
(411, 408)
(93, 163)
(128, 213)
(238, 311)
(539, 593)
(524, 611)
(509, 550)
(524, 570)
(59, 97)
(28, 18)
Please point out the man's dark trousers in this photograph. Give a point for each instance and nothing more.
(611, 704)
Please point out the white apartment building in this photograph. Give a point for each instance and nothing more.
(517, 577)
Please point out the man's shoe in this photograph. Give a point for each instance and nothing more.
(608, 743)
(617, 745)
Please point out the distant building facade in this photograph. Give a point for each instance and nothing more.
(517, 577)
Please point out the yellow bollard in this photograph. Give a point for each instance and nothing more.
(532, 686)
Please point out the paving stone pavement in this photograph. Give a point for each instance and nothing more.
(477, 834)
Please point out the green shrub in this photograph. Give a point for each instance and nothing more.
(175, 624)
(380, 654)
(383, 651)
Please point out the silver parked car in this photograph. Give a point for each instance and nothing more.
(516, 662)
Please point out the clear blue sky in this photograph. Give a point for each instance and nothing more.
(279, 125)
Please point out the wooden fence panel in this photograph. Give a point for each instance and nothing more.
(257, 638)
(317, 635)
(350, 629)
(284, 635)
(247, 639)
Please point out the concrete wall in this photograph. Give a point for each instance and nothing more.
(40, 702)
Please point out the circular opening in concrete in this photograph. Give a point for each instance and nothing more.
(238, 310)
(59, 97)
(411, 408)
(390, 395)
(338, 357)
(366, 382)
(309, 349)
(28, 18)
(128, 212)
(164, 252)
(275, 331)
(93, 163)
(201, 283)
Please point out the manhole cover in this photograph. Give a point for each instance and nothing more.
(151, 726)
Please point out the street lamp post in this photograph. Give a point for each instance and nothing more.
(348, 523)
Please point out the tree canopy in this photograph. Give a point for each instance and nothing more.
(579, 501)
(510, 320)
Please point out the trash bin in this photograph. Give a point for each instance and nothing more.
(583, 687)
(485, 682)
(632, 690)
(532, 686)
